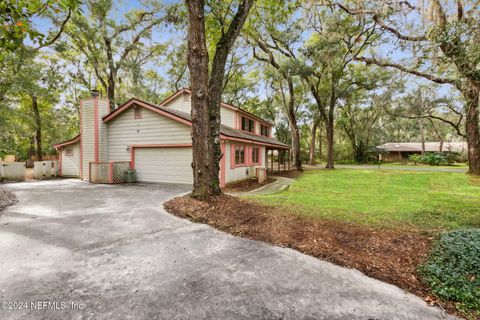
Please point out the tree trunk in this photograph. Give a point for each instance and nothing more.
(472, 97)
(422, 135)
(312, 141)
(320, 143)
(330, 137)
(292, 121)
(206, 95)
(297, 161)
(330, 130)
(31, 150)
(111, 92)
(203, 142)
(38, 128)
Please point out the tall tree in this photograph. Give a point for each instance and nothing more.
(288, 94)
(444, 50)
(313, 138)
(327, 66)
(207, 90)
(111, 46)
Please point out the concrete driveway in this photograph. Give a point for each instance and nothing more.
(72, 250)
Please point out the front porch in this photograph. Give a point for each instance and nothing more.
(278, 160)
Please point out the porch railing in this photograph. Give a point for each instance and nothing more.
(108, 172)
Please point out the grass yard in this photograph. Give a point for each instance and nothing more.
(383, 223)
(425, 200)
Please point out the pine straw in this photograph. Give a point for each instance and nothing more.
(385, 254)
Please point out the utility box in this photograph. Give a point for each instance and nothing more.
(261, 175)
(130, 176)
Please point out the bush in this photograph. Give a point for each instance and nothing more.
(435, 158)
(453, 268)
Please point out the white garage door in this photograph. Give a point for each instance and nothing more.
(171, 165)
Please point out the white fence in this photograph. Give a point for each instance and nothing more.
(45, 170)
(16, 171)
(12, 171)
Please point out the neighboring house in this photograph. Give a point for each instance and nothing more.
(156, 141)
(400, 151)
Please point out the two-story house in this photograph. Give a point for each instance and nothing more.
(156, 141)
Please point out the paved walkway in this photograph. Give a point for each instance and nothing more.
(403, 168)
(112, 252)
(279, 185)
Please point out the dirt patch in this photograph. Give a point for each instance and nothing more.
(7, 198)
(388, 255)
(247, 185)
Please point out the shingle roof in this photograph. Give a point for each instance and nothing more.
(234, 133)
(417, 146)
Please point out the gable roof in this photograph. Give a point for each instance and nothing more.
(68, 142)
(224, 104)
(226, 133)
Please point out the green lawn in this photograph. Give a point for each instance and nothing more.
(425, 200)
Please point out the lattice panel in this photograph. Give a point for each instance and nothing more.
(119, 169)
(99, 172)
(108, 172)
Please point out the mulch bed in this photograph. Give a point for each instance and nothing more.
(247, 185)
(388, 255)
(7, 198)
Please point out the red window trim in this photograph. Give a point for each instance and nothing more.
(248, 158)
(233, 148)
(250, 119)
(268, 130)
(259, 162)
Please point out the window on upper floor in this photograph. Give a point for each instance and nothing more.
(264, 130)
(69, 152)
(239, 155)
(248, 124)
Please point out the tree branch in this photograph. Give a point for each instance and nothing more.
(59, 33)
(397, 66)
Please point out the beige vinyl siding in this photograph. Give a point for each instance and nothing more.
(181, 103)
(170, 165)
(152, 128)
(240, 173)
(228, 117)
(103, 109)
(184, 103)
(87, 138)
(71, 164)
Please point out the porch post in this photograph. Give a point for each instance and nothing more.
(271, 161)
(278, 161)
(289, 159)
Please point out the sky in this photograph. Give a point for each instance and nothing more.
(168, 34)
